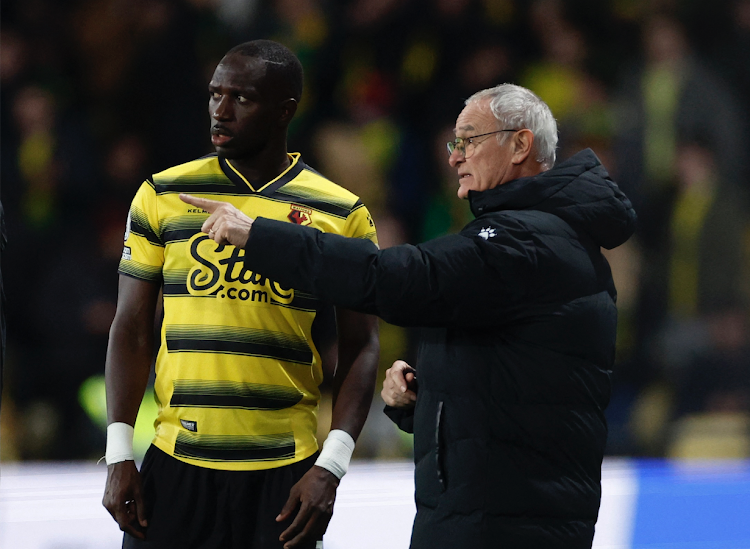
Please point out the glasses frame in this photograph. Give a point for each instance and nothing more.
(460, 143)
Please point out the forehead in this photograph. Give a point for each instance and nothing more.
(476, 118)
(239, 71)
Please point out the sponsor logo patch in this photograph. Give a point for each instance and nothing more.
(190, 425)
(126, 253)
(219, 271)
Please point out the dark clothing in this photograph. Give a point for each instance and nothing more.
(202, 508)
(514, 370)
(3, 242)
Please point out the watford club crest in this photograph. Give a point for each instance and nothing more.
(300, 215)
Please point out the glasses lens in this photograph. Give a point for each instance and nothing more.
(457, 144)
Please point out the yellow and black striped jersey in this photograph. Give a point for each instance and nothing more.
(237, 372)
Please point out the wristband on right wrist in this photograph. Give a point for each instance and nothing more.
(119, 443)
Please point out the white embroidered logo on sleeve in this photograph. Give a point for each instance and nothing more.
(487, 232)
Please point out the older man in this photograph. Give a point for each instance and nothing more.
(514, 368)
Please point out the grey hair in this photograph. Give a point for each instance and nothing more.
(517, 108)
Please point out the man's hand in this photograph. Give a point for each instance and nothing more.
(124, 500)
(226, 224)
(313, 497)
(400, 386)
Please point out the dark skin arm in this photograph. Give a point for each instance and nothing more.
(128, 364)
(353, 387)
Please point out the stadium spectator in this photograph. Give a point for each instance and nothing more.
(670, 97)
(233, 462)
(519, 308)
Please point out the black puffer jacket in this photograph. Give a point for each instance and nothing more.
(514, 370)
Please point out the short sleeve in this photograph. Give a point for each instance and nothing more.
(359, 224)
(143, 253)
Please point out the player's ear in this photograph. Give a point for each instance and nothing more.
(288, 109)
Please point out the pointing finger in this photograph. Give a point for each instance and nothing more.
(205, 203)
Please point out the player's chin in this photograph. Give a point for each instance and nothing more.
(230, 151)
(225, 152)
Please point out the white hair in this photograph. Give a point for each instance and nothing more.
(518, 108)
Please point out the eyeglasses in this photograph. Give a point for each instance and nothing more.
(466, 145)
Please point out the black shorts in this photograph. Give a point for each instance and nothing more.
(190, 507)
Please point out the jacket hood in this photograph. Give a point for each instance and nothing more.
(578, 190)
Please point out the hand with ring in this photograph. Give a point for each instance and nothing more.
(226, 224)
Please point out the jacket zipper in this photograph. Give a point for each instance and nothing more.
(438, 449)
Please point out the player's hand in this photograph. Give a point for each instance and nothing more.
(124, 500)
(400, 386)
(312, 497)
(226, 224)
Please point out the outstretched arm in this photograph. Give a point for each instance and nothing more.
(129, 354)
(353, 387)
(443, 282)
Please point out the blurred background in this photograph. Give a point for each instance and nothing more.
(95, 95)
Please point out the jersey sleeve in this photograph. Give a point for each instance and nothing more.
(143, 253)
(359, 224)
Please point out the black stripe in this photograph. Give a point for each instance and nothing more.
(208, 184)
(325, 207)
(145, 232)
(310, 304)
(235, 448)
(179, 234)
(246, 396)
(173, 289)
(302, 302)
(229, 401)
(175, 285)
(139, 225)
(140, 271)
(239, 348)
(207, 188)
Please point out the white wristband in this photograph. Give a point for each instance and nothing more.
(336, 453)
(119, 443)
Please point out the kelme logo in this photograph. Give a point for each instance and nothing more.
(220, 272)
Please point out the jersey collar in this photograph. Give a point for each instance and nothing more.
(295, 167)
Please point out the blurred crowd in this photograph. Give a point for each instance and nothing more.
(95, 95)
